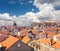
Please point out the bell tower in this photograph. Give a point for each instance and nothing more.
(14, 24)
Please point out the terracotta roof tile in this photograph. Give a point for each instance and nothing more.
(26, 39)
(9, 42)
(55, 44)
(34, 31)
(42, 33)
(24, 32)
(5, 32)
(2, 38)
(44, 40)
(51, 34)
(19, 37)
(57, 36)
(58, 28)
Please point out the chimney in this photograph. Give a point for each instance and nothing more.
(18, 33)
(51, 41)
(46, 35)
(54, 38)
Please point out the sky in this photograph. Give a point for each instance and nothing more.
(24, 12)
(17, 7)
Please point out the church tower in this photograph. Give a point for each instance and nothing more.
(14, 24)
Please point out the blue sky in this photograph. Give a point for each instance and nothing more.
(15, 7)
(18, 7)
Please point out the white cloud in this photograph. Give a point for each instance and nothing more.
(38, 3)
(30, 1)
(41, 6)
(14, 1)
(5, 16)
(32, 9)
(47, 11)
(29, 17)
(57, 15)
(5, 19)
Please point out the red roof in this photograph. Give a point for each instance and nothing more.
(26, 39)
(34, 31)
(9, 42)
(2, 38)
(24, 32)
(55, 44)
(5, 32)
(57, 36)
